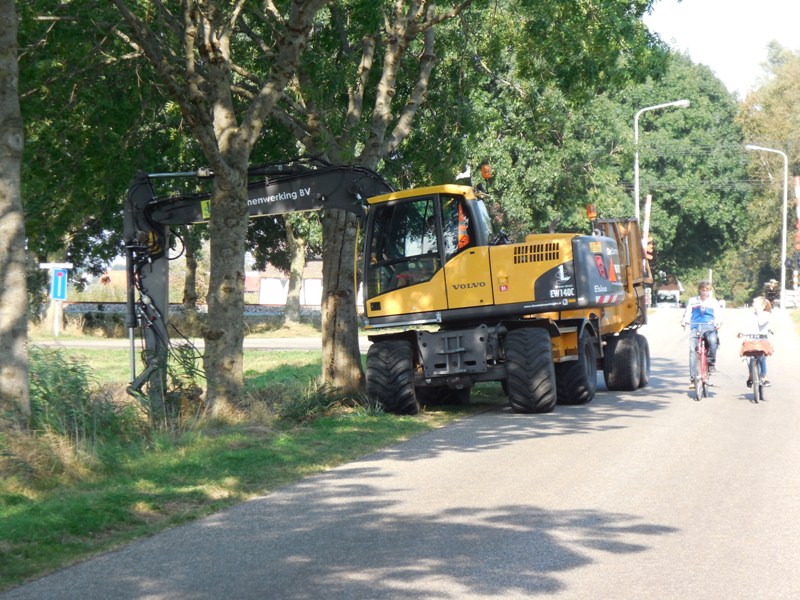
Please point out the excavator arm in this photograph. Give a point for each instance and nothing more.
(296, 186)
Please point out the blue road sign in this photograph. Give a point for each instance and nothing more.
(58, 287)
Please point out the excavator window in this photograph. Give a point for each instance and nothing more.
(458, 230)
(403, 245)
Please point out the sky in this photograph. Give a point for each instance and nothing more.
(729, 36)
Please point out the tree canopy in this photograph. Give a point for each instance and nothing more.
(770, 118)
(545, 91)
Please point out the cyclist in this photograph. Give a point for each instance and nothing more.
(762, 311)
(703, 314)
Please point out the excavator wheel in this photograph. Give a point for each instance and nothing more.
(530, 375)
(621, 367)
(390, 377)
(577, 380)
(644, 360)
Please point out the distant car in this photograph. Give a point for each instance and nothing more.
(668, 299)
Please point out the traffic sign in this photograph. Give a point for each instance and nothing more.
(58, 286)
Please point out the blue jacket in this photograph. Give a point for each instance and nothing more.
(705, 313)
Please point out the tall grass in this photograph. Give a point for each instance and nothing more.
(93, 472)
(67, 401)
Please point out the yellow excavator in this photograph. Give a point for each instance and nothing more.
(459, 304)
(466, 306)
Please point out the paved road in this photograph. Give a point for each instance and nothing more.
(636, 495)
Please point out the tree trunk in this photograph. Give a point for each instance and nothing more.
(192, 245)
(14, 397)
(297, 252)
(341, 357)
(224, 334)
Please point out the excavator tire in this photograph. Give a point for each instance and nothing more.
(576, 381)
(644, 360)
(390, 377)
(621, 367)
(530, 374)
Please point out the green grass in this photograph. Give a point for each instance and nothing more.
(61, 502)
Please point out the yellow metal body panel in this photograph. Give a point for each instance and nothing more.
(468, 277)
(516, 267)
(417, 298)
(455, 190)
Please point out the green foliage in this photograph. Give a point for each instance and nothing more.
(691, 164)
(93, 116)
(584, 46)
(152, 482)
(186, 381)
(65, 401)
(770, 118)
(505, 94)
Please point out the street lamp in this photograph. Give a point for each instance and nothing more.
(676, 104)
(785, 206)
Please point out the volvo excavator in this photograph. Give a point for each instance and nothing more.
(458, 304)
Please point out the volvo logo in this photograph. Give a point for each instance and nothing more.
(467, 286)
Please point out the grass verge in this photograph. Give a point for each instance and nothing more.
(62, 500)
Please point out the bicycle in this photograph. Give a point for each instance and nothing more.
(754, 346)
(702, 375)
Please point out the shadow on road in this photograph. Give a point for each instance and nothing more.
(334, 536)
(609, 410)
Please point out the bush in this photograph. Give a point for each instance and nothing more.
(318, 400)
(66, 401)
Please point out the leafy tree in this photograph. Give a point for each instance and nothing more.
(691, 163)
(93, 118)
(770, 118)
(509, 94)
(199, 52)
(14, 394)
(359, 87)
(368, 92)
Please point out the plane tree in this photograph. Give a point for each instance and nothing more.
(419, 95)
(198, 50)
(524, 87)
(770, 118)
(14, 397)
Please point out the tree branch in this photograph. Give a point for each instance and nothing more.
(355, 94)
(427, 62)
(290, 46)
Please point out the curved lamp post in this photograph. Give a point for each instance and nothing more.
(675, 104)
(785, 206)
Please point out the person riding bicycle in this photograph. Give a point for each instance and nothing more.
(703, 314)
(762, 311)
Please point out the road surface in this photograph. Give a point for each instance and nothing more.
(636, 495)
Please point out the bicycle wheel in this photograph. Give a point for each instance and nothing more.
(760, 380)
(754, 377)
(702, 368)
(698, 374)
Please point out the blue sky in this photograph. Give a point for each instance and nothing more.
(729, 36)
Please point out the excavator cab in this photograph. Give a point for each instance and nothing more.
(411, 235)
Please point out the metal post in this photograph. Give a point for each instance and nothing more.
(785, 208)
(676, 104)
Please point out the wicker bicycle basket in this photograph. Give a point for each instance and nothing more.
(756, 347)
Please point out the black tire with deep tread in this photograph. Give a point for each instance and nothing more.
(644, 360)
(621, 365)
(531, 377)
(576, 381)
(390, 377)
(756, 379)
